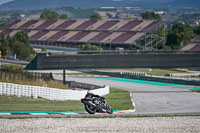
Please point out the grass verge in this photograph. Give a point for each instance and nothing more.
(40, 82)
(117, 99)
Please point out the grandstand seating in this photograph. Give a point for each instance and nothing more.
(78, 36)
(109, 38)
(13, 23)
(76, 24)
(68, 36)
(188, 47)
(58, 35)
(130, 25)
(86, 24)
(29, 23)
(107, 25)
(82, 31)
(46, 36)
(6, 32)
(196, 48)
(122, 38)
(13, 32)
(134, 38)
(151, 26)
(16, 26)
(100, 37)
(57, 23)
(197, 40)
(46, 24)
(65, 24)
(39, 34)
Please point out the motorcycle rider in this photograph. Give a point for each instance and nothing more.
(91, 95)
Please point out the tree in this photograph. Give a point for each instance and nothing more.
(95, 16)
(22, 37)
(3, 24)
(4, 47)
(44, 48)
(150, 16)
(49, 15)
(63, 16)
(197, 29)
(179, 35)
(19, 44)
(21, 50)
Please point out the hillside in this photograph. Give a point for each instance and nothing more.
(42, 4)
(184, 4)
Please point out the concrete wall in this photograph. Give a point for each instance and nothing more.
(118, 61)
(47, 93)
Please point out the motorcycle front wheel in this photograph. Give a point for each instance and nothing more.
(90, 109)
(109, 110)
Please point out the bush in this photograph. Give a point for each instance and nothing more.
(12, 68)
(90, 47)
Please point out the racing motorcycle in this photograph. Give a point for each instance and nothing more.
(96, 105)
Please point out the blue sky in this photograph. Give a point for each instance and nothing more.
(4, 1)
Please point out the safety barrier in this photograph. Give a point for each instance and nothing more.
(116, 74)
(143, 76)
(47, 93)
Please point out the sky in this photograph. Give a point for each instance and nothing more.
(4, 1)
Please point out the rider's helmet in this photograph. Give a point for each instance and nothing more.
(90, 91)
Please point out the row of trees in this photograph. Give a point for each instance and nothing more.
(51, 15)
(18, 45)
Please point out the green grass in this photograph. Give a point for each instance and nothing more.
(13, 103)
(40, 82)
(157, 72)
(195, 90)
(117, 99)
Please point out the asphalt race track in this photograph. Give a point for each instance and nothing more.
(152, 98)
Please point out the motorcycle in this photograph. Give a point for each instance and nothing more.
(96, 105)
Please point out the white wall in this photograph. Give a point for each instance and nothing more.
(47, 93)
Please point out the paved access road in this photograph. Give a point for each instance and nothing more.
(152, 98)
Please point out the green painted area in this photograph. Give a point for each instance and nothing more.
(198, 89)
(141, 81)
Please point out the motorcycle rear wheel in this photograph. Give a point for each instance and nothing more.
(90, 109)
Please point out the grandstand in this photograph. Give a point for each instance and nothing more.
(107, 33)
(193, 46)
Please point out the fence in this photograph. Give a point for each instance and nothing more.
(21, 76)
(47, 93)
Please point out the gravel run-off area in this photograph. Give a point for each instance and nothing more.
(122, 125)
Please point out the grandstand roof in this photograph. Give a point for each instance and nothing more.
(83, 31)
